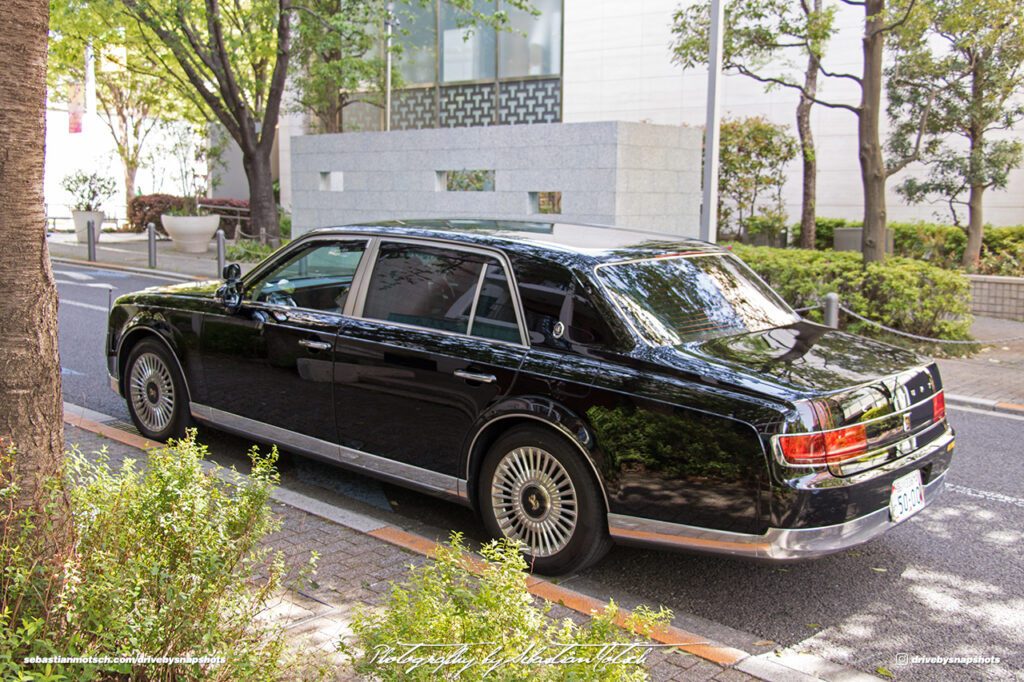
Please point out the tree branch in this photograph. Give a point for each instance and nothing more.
(900, 22)
(793, 86)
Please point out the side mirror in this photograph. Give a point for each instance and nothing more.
(232, 272)
(230, 294)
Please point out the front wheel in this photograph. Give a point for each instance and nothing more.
(536, 490)
(155, 392)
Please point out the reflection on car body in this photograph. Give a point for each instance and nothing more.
(575, 385)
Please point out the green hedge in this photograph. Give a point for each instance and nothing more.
(906, 294)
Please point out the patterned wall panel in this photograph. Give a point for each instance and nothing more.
(467, 105)
(413, 108)
(532, 101)
(360, 117)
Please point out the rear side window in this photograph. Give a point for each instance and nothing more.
(454, 291)
(559, 314)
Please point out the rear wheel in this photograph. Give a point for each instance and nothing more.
(536, 490)
(155, 392)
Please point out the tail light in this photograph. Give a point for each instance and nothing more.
(828, 447)
(939, 406)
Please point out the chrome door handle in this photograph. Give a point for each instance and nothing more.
(474, 376)
(314, 345)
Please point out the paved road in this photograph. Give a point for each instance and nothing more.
(82, 331)
(947, 583)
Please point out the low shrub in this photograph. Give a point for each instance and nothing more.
(824, 231)
(908, 295)
(488, 618)
(147, 208)
(168, 563)
(939, 244)
(250, 251)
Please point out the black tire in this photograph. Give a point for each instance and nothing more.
(155, 392)
(535, 488)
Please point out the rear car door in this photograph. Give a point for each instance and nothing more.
(270, 364)
(438, 340)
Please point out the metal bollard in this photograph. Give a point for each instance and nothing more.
(220, 252)
(90, 228)
(151, 230)
(832, 310)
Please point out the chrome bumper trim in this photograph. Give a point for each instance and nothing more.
(776, 544)
(114, 385)
(377, 467)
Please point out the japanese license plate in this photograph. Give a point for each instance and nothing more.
(907, 496)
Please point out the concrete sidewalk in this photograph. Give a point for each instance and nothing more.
(993, 379)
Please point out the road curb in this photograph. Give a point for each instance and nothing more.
(128, 268)
(985, 404)
(581, 603)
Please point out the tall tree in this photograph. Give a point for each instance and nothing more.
(31, 411)
(231, 61)
(131, 97)
(336, 63)
(757, 31)
(964, 62)
(754, 42)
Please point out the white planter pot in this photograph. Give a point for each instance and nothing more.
(190, 233)
(81, 220)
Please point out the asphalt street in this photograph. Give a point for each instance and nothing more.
(946, 583)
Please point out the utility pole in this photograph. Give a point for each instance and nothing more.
(709, 210)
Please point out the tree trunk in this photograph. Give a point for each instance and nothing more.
(264, 220)
(31, 407)
(129, 180)
(808, 207)
(975, 175)
(872, 166)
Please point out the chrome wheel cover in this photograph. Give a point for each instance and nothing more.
(534, 500)
(151, 390)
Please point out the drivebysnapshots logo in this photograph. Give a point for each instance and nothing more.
(903, 659)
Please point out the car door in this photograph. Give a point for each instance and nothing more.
(268, 367)
(438, 340)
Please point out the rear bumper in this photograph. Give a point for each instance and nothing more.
(777, 544)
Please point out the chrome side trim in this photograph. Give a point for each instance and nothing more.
(115, 385)
(561, 429)
(776, 544)
(377, 467)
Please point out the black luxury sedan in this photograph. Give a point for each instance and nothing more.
(574, 384)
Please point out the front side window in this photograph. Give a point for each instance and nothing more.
(676, 299)
(446, 289)
(317, 277)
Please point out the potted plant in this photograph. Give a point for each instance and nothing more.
(190, 232)
(88, 191)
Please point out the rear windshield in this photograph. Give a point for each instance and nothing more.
(676, 299)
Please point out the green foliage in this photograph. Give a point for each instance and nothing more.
(168, 562)
(335, 58)
(88, 190)
(147, 208)
(492, 613)
(938, 244)
(959, 67)
(908, 295)
(753, 157)
(249, 251)
(824, 231)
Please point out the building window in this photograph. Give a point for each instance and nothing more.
(417, 35)
(467, 52)
(545, 202)
(466, 180)
(539, 51)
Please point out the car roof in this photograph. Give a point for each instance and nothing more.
(580, 244)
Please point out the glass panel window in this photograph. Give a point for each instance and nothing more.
(467, 52)
(495, 316)
(539, 52)
(675, 299)
(318, 277)
(424, 286)
(417, 34)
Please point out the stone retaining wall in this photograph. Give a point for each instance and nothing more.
(994, 296)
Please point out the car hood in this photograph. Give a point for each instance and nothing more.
(802, 359)
(201, 289)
